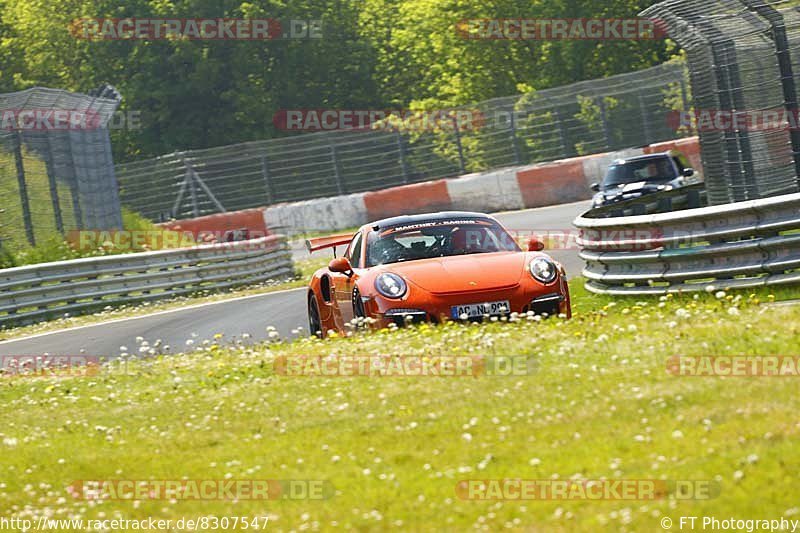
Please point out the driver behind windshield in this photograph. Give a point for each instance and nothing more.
(393, 246)
(635, 171)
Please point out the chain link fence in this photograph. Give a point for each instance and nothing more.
(56, 168)
(743, 61)
(593, 116)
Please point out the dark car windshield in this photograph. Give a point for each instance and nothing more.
(655, 169)
(437, 239)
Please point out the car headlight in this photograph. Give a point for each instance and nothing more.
(391, 285)
(543, 269)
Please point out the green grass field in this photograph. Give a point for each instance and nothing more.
(598, 404)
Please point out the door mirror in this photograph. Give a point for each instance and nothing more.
(535, 245)
(341, 265)
(595, 187)
(688, 172)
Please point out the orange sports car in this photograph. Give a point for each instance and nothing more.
(432, 267)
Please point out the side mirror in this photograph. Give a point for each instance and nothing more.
(341, 265)
(688, 172)
(535, 245)
(595, 187)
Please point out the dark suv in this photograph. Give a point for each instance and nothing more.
(640, 175)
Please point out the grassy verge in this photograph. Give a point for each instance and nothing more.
(305, 268)
(52, 246)
(599, 404)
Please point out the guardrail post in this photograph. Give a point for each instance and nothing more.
(401, 148)
(23, 190)
(460, 148)
(693, 199)
(664, 205)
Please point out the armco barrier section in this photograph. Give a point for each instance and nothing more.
(740, 245)
(37, 292)
(511, 188)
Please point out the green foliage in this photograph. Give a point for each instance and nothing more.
(51, 249)
(133, 221)
(56, 248)
(373, 54)
(591, 115)
(7, 259)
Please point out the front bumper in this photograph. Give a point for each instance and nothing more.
(551, 299)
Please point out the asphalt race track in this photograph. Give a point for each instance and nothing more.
(284, 310)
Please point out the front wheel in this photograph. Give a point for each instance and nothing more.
(314, 322)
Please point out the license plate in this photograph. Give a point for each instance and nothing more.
(488, 308)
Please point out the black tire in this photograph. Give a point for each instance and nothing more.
(314, 322)
(358, 306)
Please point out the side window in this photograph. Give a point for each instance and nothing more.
(354, 251)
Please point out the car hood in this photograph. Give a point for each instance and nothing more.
(635, 186)
(463, 273)
(645, 186)
(631, 190)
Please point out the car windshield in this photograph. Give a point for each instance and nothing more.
(437, 239)
(659, 169)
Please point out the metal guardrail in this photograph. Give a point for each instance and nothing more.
(33, 293)
(740, 245)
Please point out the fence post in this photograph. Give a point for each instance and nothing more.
(778, 27)
(562, 134)
(340, 188)
(192, 190)
(51, 179)
(197, 179)
(267, 179)
(402, 150)
(514, 141)
(685, 100)
(460, 148)
(606, 131)
(739, 155)
(648, 138)
(23, 190)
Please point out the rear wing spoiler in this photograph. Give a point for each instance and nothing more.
(331, 241)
